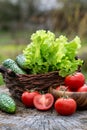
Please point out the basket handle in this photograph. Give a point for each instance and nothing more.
(2, 69)
(9, 72)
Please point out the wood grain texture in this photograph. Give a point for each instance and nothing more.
(32, 119)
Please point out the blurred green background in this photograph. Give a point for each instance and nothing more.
(20, 18)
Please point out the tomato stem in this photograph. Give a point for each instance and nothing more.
(64, 94)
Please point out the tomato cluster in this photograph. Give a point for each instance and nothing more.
(76, 82)
(35, 99)
(45, 101)
(73, 83)
(63, 105)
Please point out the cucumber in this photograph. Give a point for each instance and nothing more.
(11, 64)
(20, 60)
(7, 104)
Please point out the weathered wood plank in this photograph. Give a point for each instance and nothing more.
(32, 119)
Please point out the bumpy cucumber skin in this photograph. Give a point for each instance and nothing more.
(20, 60)
(7, 104)
(11, 64)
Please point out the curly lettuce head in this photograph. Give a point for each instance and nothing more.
(47, 53)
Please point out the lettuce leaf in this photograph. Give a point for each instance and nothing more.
(47, 53)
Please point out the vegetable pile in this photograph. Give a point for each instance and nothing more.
(47, 53)
(64, 104)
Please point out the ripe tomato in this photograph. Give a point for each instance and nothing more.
(27, 98)
(75, 81)
(44, 101)
(65, 106)
(83, 88)
(63, 88)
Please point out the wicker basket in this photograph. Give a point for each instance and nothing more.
(18, 83)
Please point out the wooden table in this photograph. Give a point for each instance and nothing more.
(32, 119)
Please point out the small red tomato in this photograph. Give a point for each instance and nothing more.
(27, 98)
(44, 101)
(65, 106)
(63, 88)
(75, 81)
(83, 88)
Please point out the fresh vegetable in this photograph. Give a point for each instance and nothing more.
(65, 106)
(82, 88)
(20, 59)
(63, 88)
(75, 81)
(44, 101)
(7, 104)
(27, 98)
(11, 64)
(47, 53)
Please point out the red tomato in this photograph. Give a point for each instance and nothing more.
(83, 88)
(44, 101)
(75, 81)
(65, 106)
(27, 98)
(63, 88)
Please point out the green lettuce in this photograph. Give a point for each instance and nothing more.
(47, 53)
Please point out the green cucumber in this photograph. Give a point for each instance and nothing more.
(7, 104)
(11, 64)
(20, 60)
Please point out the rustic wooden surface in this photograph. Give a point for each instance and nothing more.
(32, 119)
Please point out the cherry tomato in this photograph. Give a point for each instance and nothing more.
(83, 88)
(44, 101)
(63, 88)
(27, 98)
(75, 81)
(65, 106)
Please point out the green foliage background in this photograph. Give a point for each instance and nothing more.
(18, 21)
